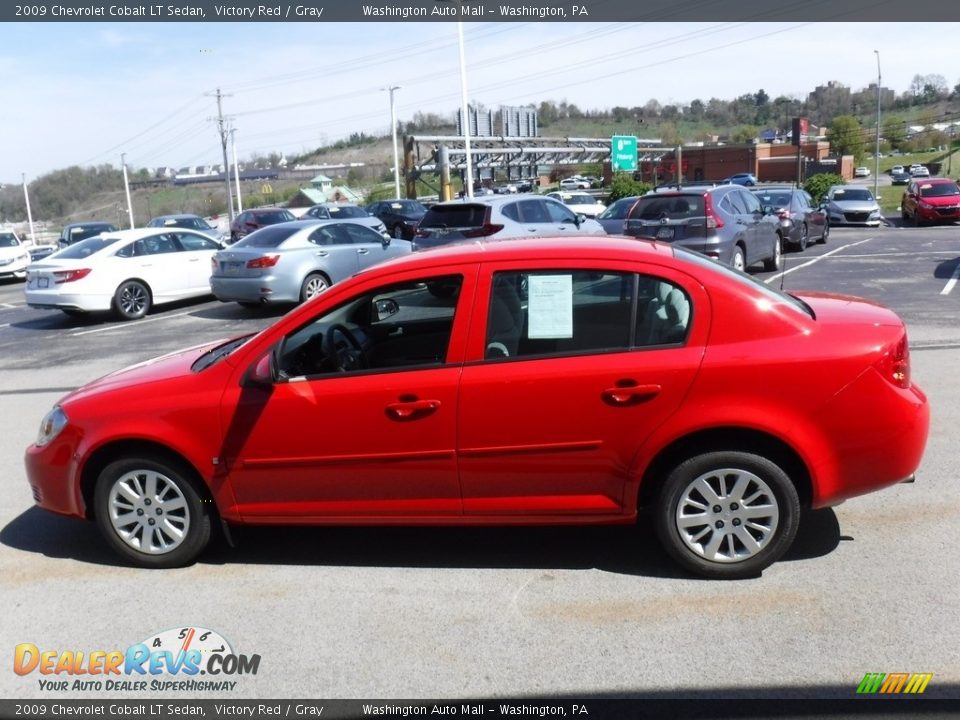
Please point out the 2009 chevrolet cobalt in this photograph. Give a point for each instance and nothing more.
(556, 381)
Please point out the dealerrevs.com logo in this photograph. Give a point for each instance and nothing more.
(191, 659)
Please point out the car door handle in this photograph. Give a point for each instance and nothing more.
(321, 253)
(626, 392)
(411, 409)
(362, 251)
(193, 259)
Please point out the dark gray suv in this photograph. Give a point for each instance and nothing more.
(726, 223)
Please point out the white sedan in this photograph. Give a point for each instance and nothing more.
(127, 271)
(580, 203)
(14, 256)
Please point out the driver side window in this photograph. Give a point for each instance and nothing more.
(397, 327)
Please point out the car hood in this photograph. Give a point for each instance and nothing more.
(854, 205)
(166, 367)
(941, 200)
(833, 307)
(13, 252)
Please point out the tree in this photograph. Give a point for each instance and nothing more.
(846, 136)
(623, 185)
(697, 110)
(894, 130)
(817, 185)
(745, 134)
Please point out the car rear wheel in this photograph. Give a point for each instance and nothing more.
(775, 262)
(132, 300)
(727, 515)
(150, 512)
(804, 238)
(313, 285)
(826, 233)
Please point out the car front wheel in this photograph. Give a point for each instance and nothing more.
(132, 300)
(727, 515)
(150, 512)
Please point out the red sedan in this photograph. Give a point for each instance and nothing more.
(930, 200)
(554, 381)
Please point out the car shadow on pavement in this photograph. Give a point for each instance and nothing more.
(234, 311)
(946, 269)
(628, 550)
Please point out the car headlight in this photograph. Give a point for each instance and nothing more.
(51, 425)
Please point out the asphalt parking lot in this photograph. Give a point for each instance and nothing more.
(869, 586)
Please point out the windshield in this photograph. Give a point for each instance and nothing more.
(192, 223)
(857, 194)
(268, 237)
(743, 278)
(939, 190)
(86, 231)
(778, 200)
(579, 200)
(276, 216)
(85, 248)
(8, 240)
(408, 208)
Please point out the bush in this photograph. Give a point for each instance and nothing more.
(817, 185)
(624, 185)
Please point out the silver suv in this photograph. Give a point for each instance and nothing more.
(726, 223)
(504, 216)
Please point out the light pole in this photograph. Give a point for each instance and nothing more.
(876, 157)
(236, 168)
(393, 130)
(464, 112)
(126, 187)
(26, 199)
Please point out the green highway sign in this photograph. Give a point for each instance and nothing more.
(623, 153)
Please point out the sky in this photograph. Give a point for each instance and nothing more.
(82, 94)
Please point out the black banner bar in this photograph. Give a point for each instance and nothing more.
(478, 11)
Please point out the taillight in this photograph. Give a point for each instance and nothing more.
(895, 363)
(65, 276)
(484, 230)
(266, 261)
(783, 214)
(714, 221)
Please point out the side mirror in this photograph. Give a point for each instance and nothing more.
(581, 219)
(263, 373)
(386, 308)
(767, 209)
(385, 240)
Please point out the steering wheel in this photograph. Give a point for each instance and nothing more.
(347, 355)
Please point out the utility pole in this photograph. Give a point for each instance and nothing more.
(876, 157)
(222, 128)
(396, 152)
(26, 198)
(236, 168)
(465, 112)
(126, 187)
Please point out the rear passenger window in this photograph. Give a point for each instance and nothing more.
(533, 211)
(510, 211)
(329, 235)
(582, 311)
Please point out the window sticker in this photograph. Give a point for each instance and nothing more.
(550, 309)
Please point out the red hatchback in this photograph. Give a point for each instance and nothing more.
(555, 381)
(930, 200)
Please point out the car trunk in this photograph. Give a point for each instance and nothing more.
(670, 218)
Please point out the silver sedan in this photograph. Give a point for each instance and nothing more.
(294, 261)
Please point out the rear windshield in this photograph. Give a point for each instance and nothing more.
(939, 190)
(347, 211)
(673, 207)
(455, 216)
(619, 210)
(775, 199)
(86, 248)
(268, 237)
(192, 223)
(277, 216)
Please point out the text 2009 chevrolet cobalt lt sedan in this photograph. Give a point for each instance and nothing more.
(550, 381)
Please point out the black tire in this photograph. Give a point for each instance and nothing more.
(132, 300)
(804, 238)
(681, 524)
(774, 263)
(124, 488)
(313, 284)
(826, 234)
(739, 260)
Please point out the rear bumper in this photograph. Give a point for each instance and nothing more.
(261, 289)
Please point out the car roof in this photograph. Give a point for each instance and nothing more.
(138, 233)
(938, 181)
(492, 200)
(174, 216)
(257, 211)
(89, 223)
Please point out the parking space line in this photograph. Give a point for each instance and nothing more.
(135, 324)
(952, 281)
(813, 260)
(9, 305)
(912, 254)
